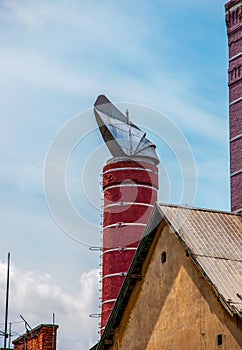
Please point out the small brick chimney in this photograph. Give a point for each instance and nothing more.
(42, 337)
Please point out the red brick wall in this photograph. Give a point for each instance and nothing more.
(130, 191)
(234, 28)
(42, 337)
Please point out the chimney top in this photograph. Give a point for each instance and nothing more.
(231, 3)
(42, 337)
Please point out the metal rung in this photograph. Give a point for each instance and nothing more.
(95, 248)
(94, 315)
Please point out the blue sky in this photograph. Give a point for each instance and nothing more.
(56, 57)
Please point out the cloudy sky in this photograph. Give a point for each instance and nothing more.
(166, 61)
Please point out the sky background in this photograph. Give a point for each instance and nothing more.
(56, 57)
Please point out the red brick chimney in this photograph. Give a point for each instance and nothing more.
(234, 28)
(42, 337)
(130, 191)
(130, 184)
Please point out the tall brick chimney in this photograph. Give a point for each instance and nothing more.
(42, 337)
(234, 29)
(130, 191)
(130, 184)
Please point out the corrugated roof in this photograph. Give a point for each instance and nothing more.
(214, 240)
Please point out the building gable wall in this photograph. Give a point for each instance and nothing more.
(173, 307)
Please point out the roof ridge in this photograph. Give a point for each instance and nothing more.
(190, 207)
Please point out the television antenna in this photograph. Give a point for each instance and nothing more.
(26, 324)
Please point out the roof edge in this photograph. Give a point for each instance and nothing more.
(129, 282)
(190, 207)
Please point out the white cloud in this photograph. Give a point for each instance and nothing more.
(98, 26)
(39, 71)
(36, 296)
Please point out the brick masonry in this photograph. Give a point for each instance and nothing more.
(130, 191)
(234, 29)
(42, 337)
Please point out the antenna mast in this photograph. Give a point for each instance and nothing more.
(6, 308)
(9, 334)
